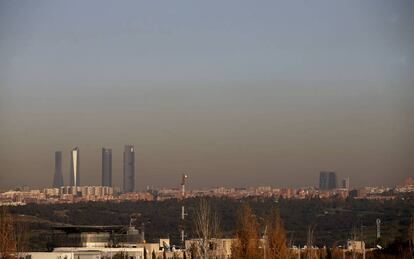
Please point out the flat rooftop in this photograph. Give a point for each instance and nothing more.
(90, 228)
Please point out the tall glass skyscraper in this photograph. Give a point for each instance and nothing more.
(327, 181)
(106, 167)
(333, 181)
(323, 181)
(58, 176)
(129, 169)
(74, 167)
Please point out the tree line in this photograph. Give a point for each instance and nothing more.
(314, 222)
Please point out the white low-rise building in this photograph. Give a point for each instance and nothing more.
(86, 253)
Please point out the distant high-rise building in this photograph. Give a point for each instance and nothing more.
(345, 183)
(333, 181)
(323, 181)
(58, 176)
(74, 167)
(106, 167)
(129, 169)
(327, 181)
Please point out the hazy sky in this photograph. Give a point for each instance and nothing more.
(234, 93)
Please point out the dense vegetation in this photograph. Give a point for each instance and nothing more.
(333, 221)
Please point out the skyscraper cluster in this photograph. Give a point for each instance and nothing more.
(74, 173)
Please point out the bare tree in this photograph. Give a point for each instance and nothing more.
(7, 238)
(194, 251)
(276, 237)
(21, 237)
(246, 245)
(411, 236)
(336, 252)
(206, 226)
(310, 242)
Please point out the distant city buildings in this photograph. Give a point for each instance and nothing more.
(327, 181)
(74, 167)
(323, 181)
(58, 176)
(73, 194)
(332, 181)
(328, 187)
(129, 169)
(88, 192)
(128, 184)
(106, 167)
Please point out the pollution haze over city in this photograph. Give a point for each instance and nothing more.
(207, 129)
(234, 93)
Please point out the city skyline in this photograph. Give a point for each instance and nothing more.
(328, 180)
(232, 93)
(316, 182)
(207, 129)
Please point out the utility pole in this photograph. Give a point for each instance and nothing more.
(362, 240)
(378, 228)
(264, 242)
(183, 214)
(354, 238)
